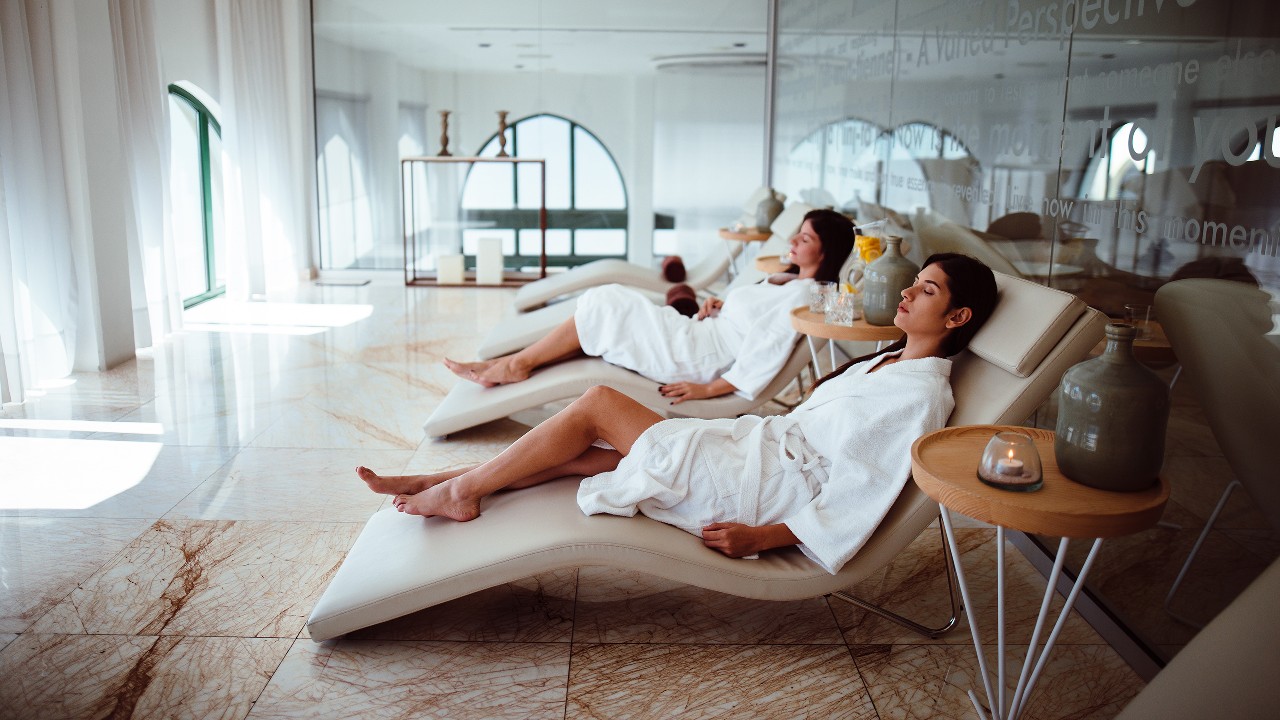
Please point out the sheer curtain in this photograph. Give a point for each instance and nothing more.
(144, 129)
(265, 196)
(38, 297)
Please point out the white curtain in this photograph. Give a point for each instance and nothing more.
(265, 194)
(144, 130)
(346, 185)
(38, 297)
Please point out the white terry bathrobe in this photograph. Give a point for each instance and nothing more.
(747, 343)
(830, 470)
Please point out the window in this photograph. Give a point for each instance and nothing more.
(195, 189)
(843, 158)
(1116, 175)
(585, 197)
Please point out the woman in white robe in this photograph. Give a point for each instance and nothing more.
(822, 477)
(732, 346)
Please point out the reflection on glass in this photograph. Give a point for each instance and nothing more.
(1107, 154)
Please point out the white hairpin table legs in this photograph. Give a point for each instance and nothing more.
(1000, 707)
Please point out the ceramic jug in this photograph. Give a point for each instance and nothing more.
(883, 282)
(768, 210)
(1112, 417)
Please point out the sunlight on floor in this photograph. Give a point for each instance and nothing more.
(61, 474)
(123, 428)
(222, 315)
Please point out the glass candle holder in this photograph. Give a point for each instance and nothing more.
(1011, 462)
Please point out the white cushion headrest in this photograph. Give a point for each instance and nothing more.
(1004, 340)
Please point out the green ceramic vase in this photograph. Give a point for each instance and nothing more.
(1112, 417)
(883, 282)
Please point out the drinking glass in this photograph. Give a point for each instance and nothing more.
(1139, 316)
(818, 294)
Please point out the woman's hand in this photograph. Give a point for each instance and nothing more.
(710, 308)
(737, 540)
(681, 391)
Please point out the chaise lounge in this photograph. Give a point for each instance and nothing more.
(1012, 365)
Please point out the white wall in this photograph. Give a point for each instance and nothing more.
(188, 44)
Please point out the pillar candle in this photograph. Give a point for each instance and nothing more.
(449, 269)
(489, 261)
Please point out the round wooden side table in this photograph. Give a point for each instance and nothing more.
(745, 236)
(813, 325)
(944, 464)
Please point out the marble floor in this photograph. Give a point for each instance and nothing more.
(166, 527)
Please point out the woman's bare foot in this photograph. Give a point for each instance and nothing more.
(404, 484)
(500, 371)
(438, 501)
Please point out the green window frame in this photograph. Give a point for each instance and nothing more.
(206, 124)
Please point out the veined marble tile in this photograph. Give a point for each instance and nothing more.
(697, 681)
(467, 447)
(914, 585)
(359, 408)
(205, 421)
(303, 484)
(60, 416)
(383, 679)
(63, 676)
(198, 577)
(176, 472)
(43, 559)
(932, 681)
(535, 609)
(616, 606)
(6, 638)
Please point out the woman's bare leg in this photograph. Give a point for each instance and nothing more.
(600, 414)
(560, 344)
(397, 484)
(591, 462)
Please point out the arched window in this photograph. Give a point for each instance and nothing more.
(920, 152)
(842, 161)
(1115, 176)
(195, 189)
(585, 196)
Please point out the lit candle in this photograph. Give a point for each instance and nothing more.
(1009, 465)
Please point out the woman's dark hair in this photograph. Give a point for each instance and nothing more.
(971, 285)
(837, 234)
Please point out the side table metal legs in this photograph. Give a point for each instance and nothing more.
(996, 702)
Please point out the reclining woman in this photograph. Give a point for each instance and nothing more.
(735, 345)
(822, 477)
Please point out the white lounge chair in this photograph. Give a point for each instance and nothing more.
(1014, 362)
(604, 272)
(468, 404)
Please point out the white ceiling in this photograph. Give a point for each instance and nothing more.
(635, 37)
(614, 37)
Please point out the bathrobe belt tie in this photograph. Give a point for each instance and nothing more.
(795, 457)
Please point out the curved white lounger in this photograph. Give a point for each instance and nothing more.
(612, 270)
(609, 271)
(468, 404)
(1012, 366)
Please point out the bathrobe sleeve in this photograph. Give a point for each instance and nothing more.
(866, 427)
(768, 341)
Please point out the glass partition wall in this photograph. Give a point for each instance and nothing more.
(1104, 148)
